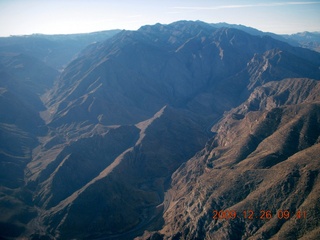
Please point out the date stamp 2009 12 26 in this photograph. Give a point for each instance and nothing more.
(262, 214)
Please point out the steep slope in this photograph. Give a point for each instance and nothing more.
(22, 80)
(277, 64)
(264, 157)
(20, 123)
(272, 65)
(128, 189)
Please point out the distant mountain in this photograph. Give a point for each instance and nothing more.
(54, 50)
(309, 40)
(254, 31)
(144, 134)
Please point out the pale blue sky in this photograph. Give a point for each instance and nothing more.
(18, 17)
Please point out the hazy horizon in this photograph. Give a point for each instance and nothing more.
(18, 17)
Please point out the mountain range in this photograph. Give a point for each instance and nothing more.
(151, 134)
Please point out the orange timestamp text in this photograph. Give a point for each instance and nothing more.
(262, 214)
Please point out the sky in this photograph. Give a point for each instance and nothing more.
(24, 17)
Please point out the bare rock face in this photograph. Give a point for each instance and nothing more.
(148, 132)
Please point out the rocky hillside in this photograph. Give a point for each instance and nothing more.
(264, 157)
